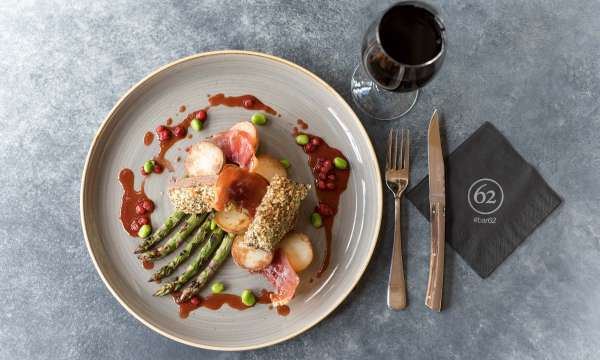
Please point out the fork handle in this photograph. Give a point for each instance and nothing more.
(396, 296)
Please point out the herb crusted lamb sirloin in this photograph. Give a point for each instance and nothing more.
(193, 195)
(276, 213)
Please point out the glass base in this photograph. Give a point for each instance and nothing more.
(377, 102)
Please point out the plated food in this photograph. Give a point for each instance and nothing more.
(232, 200)
(183, 226)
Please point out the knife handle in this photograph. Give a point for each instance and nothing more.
(435, 284)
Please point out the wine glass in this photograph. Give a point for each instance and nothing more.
(401, 51)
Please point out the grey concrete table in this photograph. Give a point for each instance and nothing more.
(530, 67)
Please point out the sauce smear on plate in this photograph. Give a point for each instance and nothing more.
(249, 102)
(283, 310)
(148, 137)
(301, 124)
(216, 301)
(329, 184)
(131, 199)
(166, 144)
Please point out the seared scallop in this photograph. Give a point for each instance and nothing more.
(204, 158)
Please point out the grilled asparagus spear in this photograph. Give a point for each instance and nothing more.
(161, 233)
(201, 257)
(186, 252)
(173, 243)
(220, 255)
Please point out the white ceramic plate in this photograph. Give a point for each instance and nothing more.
(293, 92)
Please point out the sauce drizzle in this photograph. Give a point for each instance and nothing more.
(330, 198)
(165, 145)
(283, 310)
(131, 199)
(148, 138)
(301, 124)
(216, 301)
(264, 297)
(249, 102)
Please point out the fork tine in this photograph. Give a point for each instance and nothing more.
(400, 153)
(406, 158)
(395, 155)
(389, 151)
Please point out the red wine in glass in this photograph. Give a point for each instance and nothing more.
(401, 52)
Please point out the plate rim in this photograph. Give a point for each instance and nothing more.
(109, 117)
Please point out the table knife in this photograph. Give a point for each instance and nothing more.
(437, 206)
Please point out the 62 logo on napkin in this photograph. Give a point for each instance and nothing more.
(485, 196)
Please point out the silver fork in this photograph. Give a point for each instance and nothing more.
(396, 178)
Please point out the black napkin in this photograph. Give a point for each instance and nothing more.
(494, 199)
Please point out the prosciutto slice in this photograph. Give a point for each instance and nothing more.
(237, 145)
(283, 278)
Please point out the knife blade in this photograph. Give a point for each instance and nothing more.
(437, 206)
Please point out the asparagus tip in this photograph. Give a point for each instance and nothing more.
(188, 293)
(161, 292)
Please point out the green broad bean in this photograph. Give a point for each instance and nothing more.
(145, 231)
(258, 119)
(340, 163)
(302, 139)
(149, 166)
(248, 298)
(196, 125)
(316, 220)
(217, 287)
